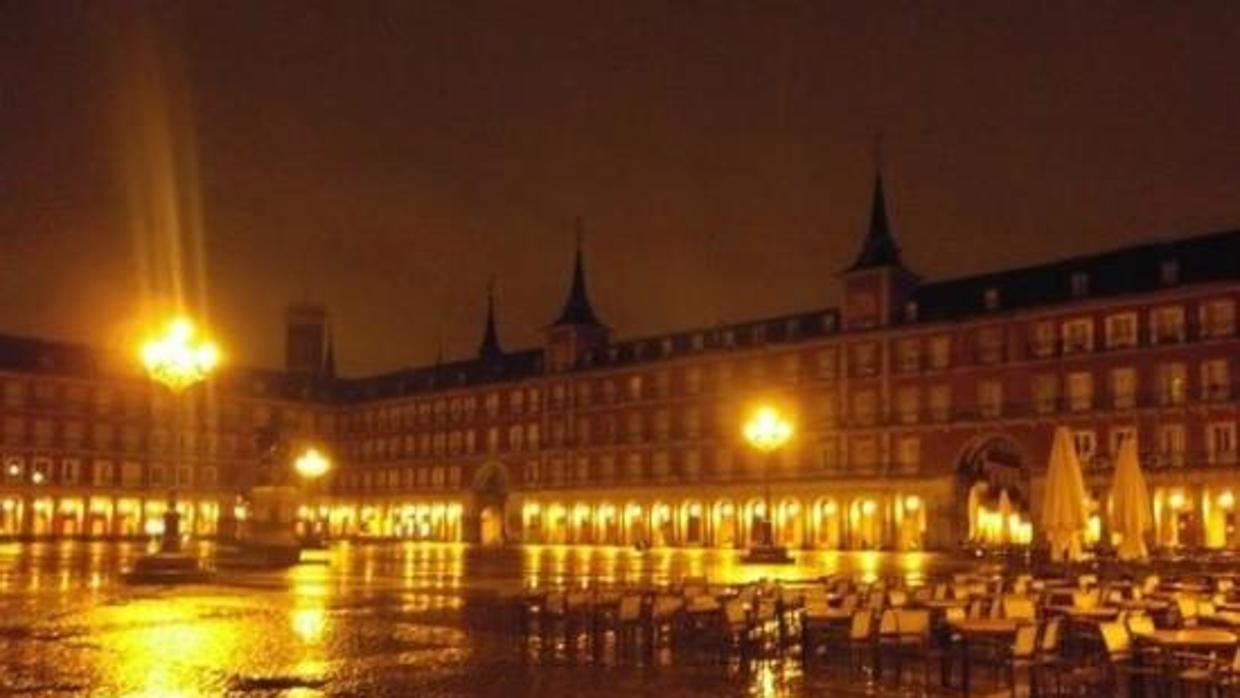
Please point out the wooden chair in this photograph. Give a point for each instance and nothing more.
(861, 645)
(1022, 655)
(1019, 608)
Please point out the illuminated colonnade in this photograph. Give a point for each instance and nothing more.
(855, 521)
(50, 515)
(419, 519)
(1204, 515)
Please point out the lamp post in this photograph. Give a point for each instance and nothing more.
(767, 431)
(312, 465)
(178, 360)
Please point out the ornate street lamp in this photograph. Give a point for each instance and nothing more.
(311, 466)
(178, 359)
(767, 431)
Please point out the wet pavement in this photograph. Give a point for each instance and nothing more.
(384, 620)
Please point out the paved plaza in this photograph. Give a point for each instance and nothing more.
(386, 619)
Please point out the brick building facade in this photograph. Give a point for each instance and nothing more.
(918, 405)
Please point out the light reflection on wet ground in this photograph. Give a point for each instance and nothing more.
(359, 620)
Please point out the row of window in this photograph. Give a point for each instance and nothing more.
(1164, 325)
(74, 435)
(1075, 391)
(104, 473)
(137, 405)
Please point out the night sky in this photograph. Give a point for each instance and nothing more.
(388, 158)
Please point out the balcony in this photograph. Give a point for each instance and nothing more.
(1155, 462)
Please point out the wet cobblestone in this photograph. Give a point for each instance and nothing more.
(381, 620)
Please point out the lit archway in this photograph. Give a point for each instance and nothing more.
(487, 506)
(992, 491)
(828, 527)
(693, 523)
(726, 527)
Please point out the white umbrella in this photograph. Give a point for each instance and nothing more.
(1064, 512)
(1130, 503)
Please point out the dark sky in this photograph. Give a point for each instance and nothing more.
(387, 158)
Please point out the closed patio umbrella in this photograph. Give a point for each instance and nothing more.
(1064, 512)
(1130, 503)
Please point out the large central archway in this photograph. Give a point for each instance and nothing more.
(488, 512)
(992, 472)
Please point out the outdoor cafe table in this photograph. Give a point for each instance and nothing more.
(973, 629)
(941, 604)
(1154, 605)
(1190, 638)
(1096, 614)
(1226, 619)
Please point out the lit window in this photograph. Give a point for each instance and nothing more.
(1167, 325)
(1172, 383)
(1043, 339)
(1086, 445)
(1080, 391)
(1124, 387)
(1078, 336)
(1172, 442)
(1218, 318)
(1221, 442)
(1121, 331)
(1119, 435)
(1215, 380)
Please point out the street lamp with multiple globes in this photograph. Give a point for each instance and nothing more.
(178, 359)
(767, 430)
(311, 466)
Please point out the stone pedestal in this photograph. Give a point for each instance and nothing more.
(270, 531)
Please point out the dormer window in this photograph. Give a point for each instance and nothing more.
(991, 298)
(910, 311)
(1169, 272)
(1080, 284)
(698, 341)
(759, 334)
(729, 338)
(793, 328)
(667, 346)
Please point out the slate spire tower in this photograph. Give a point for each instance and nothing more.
(577, 330)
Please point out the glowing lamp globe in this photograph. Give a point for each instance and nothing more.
(767, 430)
(179, 358)
(312, 464)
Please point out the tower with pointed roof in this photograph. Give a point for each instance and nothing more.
(577, 331)
(877, 285)
(489, 349)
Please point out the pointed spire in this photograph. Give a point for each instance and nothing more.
(490, 348)
(329, 359)
(577, 309)
(879, 248)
